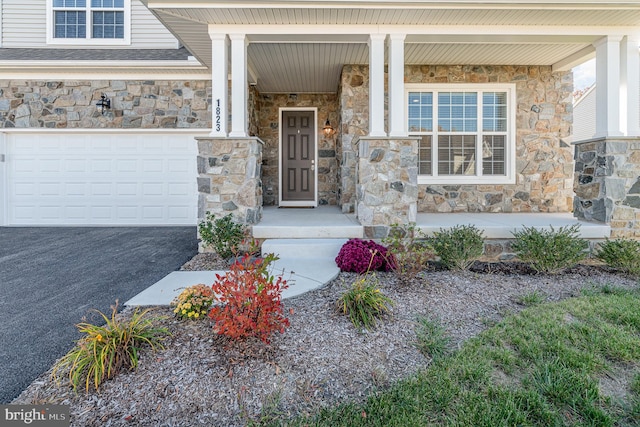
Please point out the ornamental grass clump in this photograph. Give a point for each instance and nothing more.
(359, 256)
(621, 254)
(193, 302)
(105, 350)
(364, 302)
(550, 251)
(250, 300)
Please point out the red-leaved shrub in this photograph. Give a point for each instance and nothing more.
(250, 301)
(356, 255)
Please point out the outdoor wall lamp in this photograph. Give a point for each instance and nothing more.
(103, 103)
(328, 130)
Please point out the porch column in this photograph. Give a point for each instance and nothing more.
(376, 85)
(220, 85)
(608, 86)
(239, 99)
(630, 57)
(397, 119)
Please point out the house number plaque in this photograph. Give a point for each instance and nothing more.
(218, 119)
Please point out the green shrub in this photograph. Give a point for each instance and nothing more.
(409, 249)
(364, 302)
(621, 254)
(223, 234)
(106, 350)
(458, 247)
(550, 251)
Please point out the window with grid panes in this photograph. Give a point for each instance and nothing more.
(465, 132)
(88, 19)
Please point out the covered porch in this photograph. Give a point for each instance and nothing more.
(355, 65)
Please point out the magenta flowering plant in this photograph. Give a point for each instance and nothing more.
(359, 256)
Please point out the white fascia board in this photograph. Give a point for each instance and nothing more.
(196, 132)
(386, 4)
(103, 65)
(80, 74)
(434, 30)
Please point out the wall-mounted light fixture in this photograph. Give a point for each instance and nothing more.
(103, 103)
(328, 130)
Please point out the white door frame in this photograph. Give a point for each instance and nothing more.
(4, 181)
(304, 203)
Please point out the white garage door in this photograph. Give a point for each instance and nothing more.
(101, 179)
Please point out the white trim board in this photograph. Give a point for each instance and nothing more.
(4, 190)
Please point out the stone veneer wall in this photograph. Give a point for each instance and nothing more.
(134, 104)
(229, 178)
(544, 163)
(607, 184)
(387, 183)
(268, 106)
(354, 123)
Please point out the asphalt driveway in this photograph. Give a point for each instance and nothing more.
(51, 277)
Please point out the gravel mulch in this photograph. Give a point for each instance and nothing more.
(321, 359)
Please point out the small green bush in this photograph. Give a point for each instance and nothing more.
(223, 234)
(621, 254)
(364, 302)
(550, 251)
(458, 247)
(104, 351)
(409, 248)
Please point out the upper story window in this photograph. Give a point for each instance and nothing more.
(467, 132)
(89, 22)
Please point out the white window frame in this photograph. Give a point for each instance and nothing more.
(510, 148)
(89, 41)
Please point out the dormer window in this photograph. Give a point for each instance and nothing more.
(89, 21)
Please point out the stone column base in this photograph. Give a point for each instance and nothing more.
(229, 178)
(386, 182)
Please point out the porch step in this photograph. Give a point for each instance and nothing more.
(303, 248)
(323, 222)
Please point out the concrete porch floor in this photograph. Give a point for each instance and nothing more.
(330, 222)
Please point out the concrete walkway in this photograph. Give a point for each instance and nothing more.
(305, 264)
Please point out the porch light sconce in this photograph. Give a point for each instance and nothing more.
(103, 103)
(328, 130)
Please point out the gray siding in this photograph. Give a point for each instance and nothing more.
(584, 116)
(23, 23)
(24, 26)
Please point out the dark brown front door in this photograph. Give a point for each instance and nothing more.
(298, 158)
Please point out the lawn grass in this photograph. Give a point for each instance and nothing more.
(574, 363)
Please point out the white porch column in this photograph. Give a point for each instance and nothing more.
(239, 97)
(397, 119)
(376, 85)
(220, 85)
(608, 86)
(630, 64)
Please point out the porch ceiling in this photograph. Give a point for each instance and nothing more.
(300, 46)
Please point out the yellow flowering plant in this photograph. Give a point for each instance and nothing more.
(193, 302)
